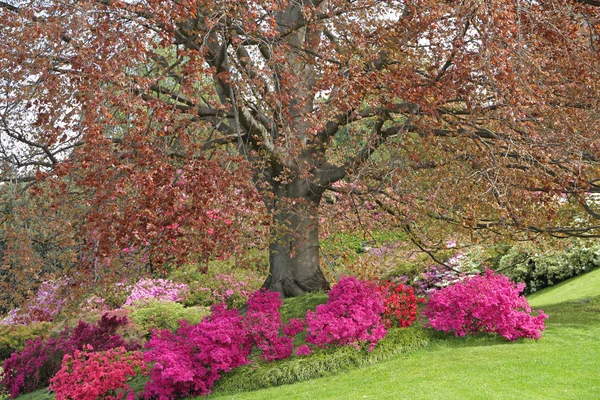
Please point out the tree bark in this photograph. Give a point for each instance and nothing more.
(294, 249)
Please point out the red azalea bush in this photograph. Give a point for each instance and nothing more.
(484, 303)
(400, 304)
(188, 363)
(32, 368)
(90, 376)
(352, 315)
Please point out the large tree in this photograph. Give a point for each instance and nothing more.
(431, 102)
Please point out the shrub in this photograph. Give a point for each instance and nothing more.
(91, 375)
(352, 315)
(165, 315)
(263, 323)
(13, 337)
(156, 289)
(542, 269)
(218, 282)
(484, 303)
(40, 359)
(46, 304)
(189, 362)
(400, 304)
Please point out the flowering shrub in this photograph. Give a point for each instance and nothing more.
(263, 322)
(88, 376)
(40, 359)
(484, 303)
(156, 289)
(188, 362)
(46, 304)
(352, 315)
(400, 304)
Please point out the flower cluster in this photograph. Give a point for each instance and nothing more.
(156, 289)
(188, 363)
(105, 374)
(352, 315)
(484, 303)
(32, 368)
(400, 304)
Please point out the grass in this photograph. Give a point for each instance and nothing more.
(583, 287)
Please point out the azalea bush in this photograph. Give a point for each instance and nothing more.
(89, 375)
(400, 304)
(156, 289)
(47, 303)
(188, 362)
(488, 303)
(352, 315)
(13, 337)
(40, 359)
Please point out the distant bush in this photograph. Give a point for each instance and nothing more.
(218, 282)
(352, 315)
(488, 303)
(165, 315)
(156, 289)
(542, 269)
(13, 337)
(105, 373)
(47, 303)
(40, 359)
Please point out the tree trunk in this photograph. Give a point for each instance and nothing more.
(294, 249)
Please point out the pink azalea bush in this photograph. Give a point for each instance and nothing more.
(89, 375)
(156, 289)
(488, 303)
(46, 304)
(352, 315)
(188, 363)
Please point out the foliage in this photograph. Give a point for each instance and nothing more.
(40, 359)
(156, 289)
(13, 337)
(190, 361)
(322, 362)
(539, 269)
(165, 315)
(352, 315)
(400, 304)
(484, 303)
(219, 282)
(89, 375)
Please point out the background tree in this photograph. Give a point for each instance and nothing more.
(475, 113)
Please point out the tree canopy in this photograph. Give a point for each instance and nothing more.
(168, 120)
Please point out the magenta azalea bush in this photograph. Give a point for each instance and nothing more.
(488, 303)
(89, 375)
(352, 315)
(156, 289)
(263, 322)
(188, 363)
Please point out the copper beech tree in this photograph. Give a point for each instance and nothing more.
(159, 113)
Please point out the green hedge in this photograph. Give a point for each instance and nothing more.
(165, 315)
